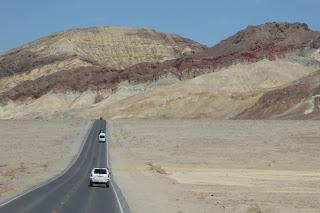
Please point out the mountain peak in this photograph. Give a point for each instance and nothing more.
(274, 31)
(282, 26)
(114, 47)
(271, 36)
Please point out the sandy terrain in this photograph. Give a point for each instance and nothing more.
(34, 151)
(217, 166)
(220, 95)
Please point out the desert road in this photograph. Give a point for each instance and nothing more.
(70, 192)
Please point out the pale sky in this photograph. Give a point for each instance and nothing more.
(205, 21)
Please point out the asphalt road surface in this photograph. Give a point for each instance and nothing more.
(71, 192)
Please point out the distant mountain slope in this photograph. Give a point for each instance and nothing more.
(104, 46)
(299, 100)
(73, 50)
(222, 94)
(270, 40)
(142, 73)
(266, 40)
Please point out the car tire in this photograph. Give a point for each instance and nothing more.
(91, 184)
(107, 184)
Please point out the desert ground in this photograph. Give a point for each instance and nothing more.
(217, 165)
(33, 151)
(179, 165)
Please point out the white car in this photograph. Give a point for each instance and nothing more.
(102, 137)
(100, 176)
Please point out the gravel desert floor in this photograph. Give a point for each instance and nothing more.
(217, 166)
(33, 151)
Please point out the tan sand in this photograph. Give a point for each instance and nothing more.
(220, 95)
(33, 151)
(217, 166)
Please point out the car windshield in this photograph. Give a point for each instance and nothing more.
(101, 136)
(100, 171)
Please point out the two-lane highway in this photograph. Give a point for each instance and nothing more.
(71, 192)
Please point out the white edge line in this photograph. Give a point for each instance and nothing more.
(58, 175)
(113, 189)
(118, 200)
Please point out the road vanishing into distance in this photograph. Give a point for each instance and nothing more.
(70, 192)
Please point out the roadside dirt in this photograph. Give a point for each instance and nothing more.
(217, 166)
(32, 151)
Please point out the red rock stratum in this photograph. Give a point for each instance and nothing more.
(102, 59)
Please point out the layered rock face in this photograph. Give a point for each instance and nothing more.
(267, 40)
(110, 47)
(299, 100)
(120, 72)
(24, 70)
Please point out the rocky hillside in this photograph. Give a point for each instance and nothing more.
(103, 47)
(299, 100)
(267, 40)
(119, 72)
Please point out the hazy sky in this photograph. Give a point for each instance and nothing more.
(206, 21)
